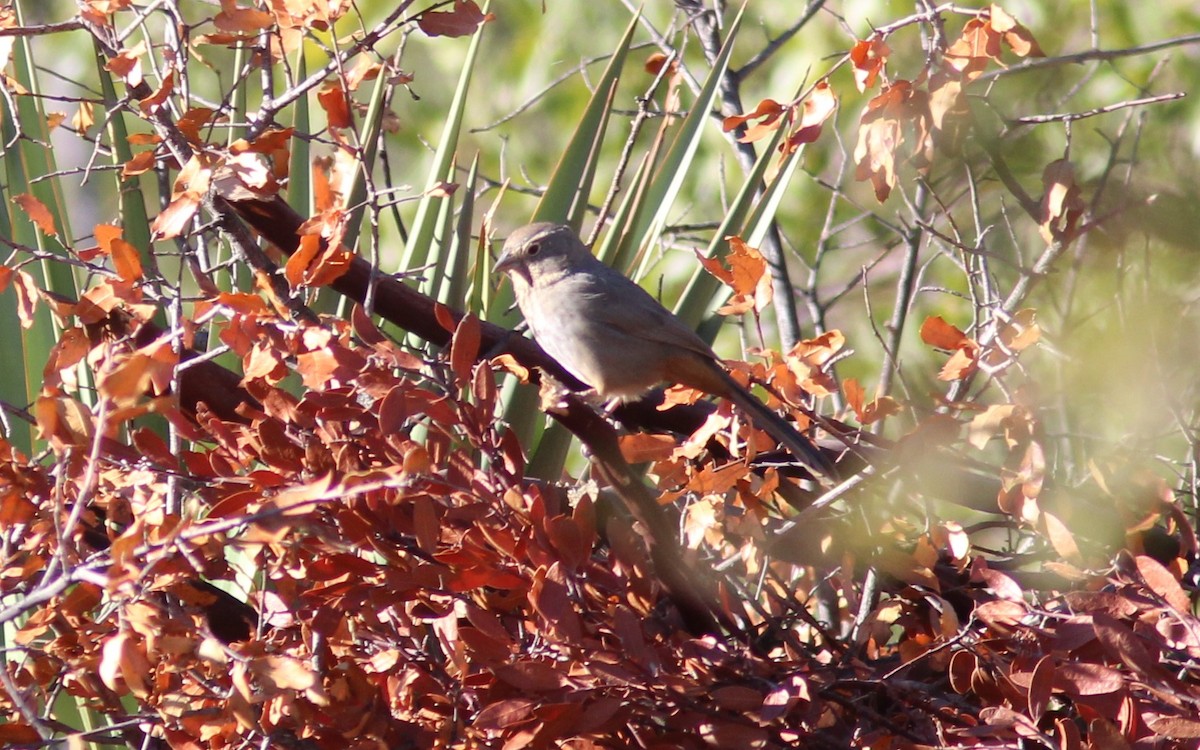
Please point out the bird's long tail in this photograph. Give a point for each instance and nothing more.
(801, 448)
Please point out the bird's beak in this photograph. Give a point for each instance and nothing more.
(510, 263)
(503, 263)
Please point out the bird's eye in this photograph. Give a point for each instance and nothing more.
(534, 249)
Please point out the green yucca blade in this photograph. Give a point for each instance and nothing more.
(356, 202)
(614, 249)
(420, 251)
(566, 195)
(454, 290)
(299, 188)
(15, 386)
(23, 159)
(704, 293)
(675, 168)
(565, 200)
(135, 219)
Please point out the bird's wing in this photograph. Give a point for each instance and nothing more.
(610, 299)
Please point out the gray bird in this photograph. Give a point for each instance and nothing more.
(612, 335)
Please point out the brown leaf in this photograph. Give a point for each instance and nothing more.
(898, 110)
(1164, 583)
(552, 601)
(463, 19)
(505, 713)
(655, 62)
(159, 96)
(1176, 727)
(1077, 678)
(737, 698)
(175, 217)
(64, 421)
(19, 733)
(27, 297)
(978, 45)
(1060, 537)
(1062, 203)
(640, 447)
(1122, 643)
(531, 676)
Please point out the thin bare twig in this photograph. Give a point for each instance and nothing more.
(1072, 116)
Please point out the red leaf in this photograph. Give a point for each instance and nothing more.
(464, 348)
(1122, 643)
(1040, 687)
(504, 714)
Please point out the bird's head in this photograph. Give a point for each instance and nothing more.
(535, 248)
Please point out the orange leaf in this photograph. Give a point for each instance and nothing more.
(936, 332)
(242, 20)
(140, 163)
(335, 100)
(175, 217)
(191, 121)
(37, 213)
(900, 112)
(64, 422)
(122, 657)
(815, 110)
(128, 65)
(1017, 37)
(159, 97)
(854, 395)
(961, 364)
(316, 263)
(641, 447)
(655, 62)
(126, 260)
(27, 297)
(748, 278)
(868, 58)
(768, 113)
